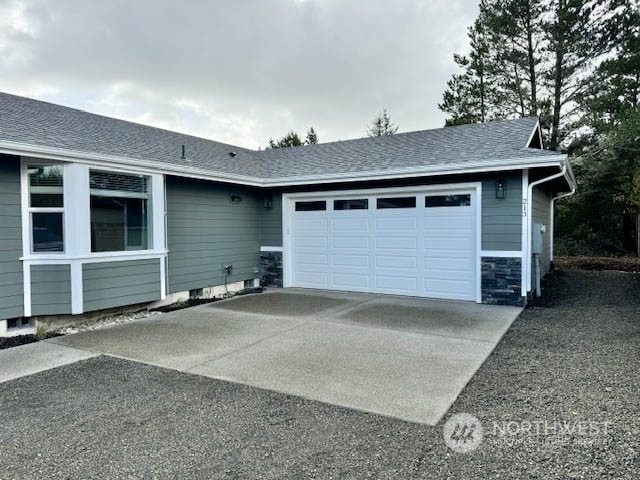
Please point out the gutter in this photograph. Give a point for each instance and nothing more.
(517, 163)
(565, 172)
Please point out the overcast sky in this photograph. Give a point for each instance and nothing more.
(238, 71)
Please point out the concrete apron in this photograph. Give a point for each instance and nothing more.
(402, 357)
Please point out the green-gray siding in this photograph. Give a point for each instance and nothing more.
(271, 223)
(540, 210)
(11, 293)
(115, 284)
(501, 218)
(205, 231)
(50, 289)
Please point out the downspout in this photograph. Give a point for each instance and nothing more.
(551, 218)
(562, 173)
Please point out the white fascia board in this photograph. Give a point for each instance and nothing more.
(145, 166)
(536, 131)
(439, 170)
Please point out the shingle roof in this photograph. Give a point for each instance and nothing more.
(42, 124)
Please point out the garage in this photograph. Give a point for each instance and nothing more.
(417, 242)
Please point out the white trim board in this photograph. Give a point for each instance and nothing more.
(271, 249)
(288, 205)
(502, 253)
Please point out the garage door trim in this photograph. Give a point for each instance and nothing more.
(288, 210)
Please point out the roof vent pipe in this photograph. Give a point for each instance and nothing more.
(184, 153)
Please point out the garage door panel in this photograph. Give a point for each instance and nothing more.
(396, 243)
(347, 281)
(395, 284)
(451, 244)
(397, 223)
(454, 275)
(358, 223)
(398, 261)
(457, 264)
(311, 242)
(351, 242)
(312, 279)
(347, 260)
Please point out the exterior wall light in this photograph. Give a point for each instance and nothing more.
(501, 190)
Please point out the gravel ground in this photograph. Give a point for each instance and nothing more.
(573, 358)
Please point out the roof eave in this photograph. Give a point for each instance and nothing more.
(412, 172)
(517, 163)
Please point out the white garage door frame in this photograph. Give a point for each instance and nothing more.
(288, 210)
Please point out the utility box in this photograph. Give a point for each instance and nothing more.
(536, 237)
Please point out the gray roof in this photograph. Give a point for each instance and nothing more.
(40, 124)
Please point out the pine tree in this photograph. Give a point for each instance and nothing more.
(467, 97)
(312, 137)
(381, 125)
(291, 139)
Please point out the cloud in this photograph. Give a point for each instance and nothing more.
(239, 71)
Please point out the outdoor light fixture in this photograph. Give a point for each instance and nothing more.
(500, 188)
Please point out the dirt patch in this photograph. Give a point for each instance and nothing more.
(10, 342)
(621, 264)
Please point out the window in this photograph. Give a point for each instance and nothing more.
(46, 207)
(119, 211)
(311, 206)
(397, 202)
(360, 204)
(447, 201)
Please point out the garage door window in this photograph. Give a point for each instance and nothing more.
(396, 202)
(358, 204)
(447, 201)
(311, 206)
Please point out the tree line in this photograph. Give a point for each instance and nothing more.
(576, 65)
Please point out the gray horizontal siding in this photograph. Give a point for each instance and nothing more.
(205, 231)
(540, 210)
(117, 284)
(502, 217)
(50, 289)
(11, 280)
(271, 223)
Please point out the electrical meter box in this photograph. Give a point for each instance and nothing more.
(536, 237)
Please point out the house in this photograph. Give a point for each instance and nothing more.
(97, 213)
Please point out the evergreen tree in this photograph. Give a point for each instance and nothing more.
(312, 137)
(468, 96)
(291, 139)
(381, 125)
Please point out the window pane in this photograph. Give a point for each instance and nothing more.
(118, 224)
(311, 206)
(359, 204)
(47, 232)
(45, 186)
(397, 202)
(447, 201)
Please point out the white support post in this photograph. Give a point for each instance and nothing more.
(77, 290)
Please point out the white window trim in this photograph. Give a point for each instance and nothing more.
(27, 210)
(288, 210)
(77, 228)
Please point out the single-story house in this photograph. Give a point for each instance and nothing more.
(97, 213)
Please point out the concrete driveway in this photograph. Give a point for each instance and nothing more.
(402, 357)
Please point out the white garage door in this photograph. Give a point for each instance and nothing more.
(419, 244)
